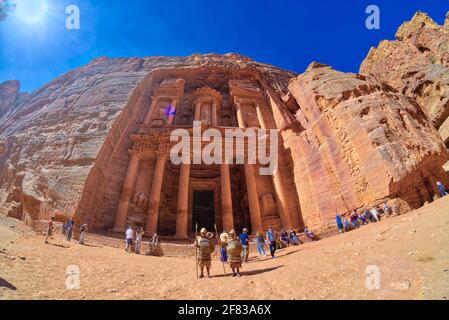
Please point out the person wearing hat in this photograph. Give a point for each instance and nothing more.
(206, 247)
(244, 240)
(234, 249)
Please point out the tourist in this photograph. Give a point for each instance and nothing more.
(50, 229)
(294, 238)
(271, 237)
(279, 244)
(369, 216)
(206, 247)
(129, 239)
(260, 244)
(245, 244)
(70, 225)
(386, 209)
(310, 234)
(362, 218)
(339, 223)
(64, 230)
(374, 213)
(346, 223)
(83, 231)
(154, 241)
(224, 239)
(284, 238)
(355, 220)
(395, 209)
(441, 189)
(234, 250)
(139, 235)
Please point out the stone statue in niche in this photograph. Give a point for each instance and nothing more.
(206, 113)
(140, 200)
(268, 202)
(251, 117)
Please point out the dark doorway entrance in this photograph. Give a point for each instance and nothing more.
(203, 210)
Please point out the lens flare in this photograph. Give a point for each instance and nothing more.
(31, 11)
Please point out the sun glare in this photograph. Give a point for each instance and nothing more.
(31, 11)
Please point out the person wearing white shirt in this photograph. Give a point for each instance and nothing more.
(129, 239)
(374, 213)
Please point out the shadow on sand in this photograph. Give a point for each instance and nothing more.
(91, 245)
(58, 245)
(6, 284)
(248, 273)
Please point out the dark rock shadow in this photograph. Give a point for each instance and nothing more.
(6, 284)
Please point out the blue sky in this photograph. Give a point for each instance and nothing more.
(287, 34)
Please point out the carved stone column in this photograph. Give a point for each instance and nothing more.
(172, 114)
(155, 193)
(240, 116)
(127, 192)
(197, 111)
(260, 117)
(277, 181)
(253, 198)
(151, 110)
(214, 114)
(183, 201)
(226, 198)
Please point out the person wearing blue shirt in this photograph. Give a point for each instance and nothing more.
(339, 223)
(271, 237)
(245, 244)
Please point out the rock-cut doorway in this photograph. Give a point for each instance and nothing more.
(203, 211)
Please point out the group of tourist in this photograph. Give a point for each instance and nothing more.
(134, 240)
(235, 249)
(67, 230)
(353, 220)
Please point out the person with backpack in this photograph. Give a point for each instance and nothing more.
(206, 247)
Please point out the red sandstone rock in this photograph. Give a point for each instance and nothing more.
(362, 144)
(416, 64)
(346, 142)
(9, 91)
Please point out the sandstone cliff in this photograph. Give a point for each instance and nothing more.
(416, 64)
(9, 92)
(362, 144)
(348, 140)
(50, 139)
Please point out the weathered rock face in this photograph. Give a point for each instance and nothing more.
(50, 139)
(9, 91)
(362, 144)
(416, 64)
(347, 141)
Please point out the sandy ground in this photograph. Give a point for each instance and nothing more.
(405, 257)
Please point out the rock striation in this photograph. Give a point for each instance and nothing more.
(9, 92)
(347, 141)
(416, 64)
(362, 144)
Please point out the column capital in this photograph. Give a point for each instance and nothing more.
(135, 153)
